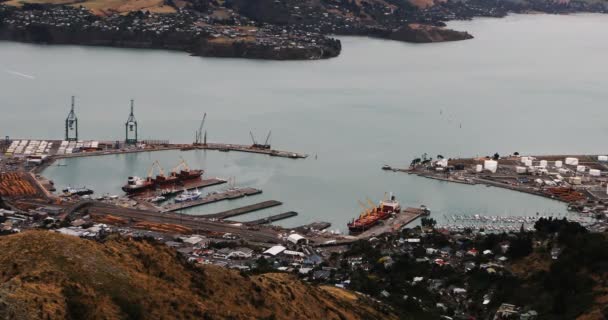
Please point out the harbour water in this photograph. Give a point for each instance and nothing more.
(526, 83)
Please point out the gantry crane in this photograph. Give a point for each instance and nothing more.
(131, 126)
(71, 124)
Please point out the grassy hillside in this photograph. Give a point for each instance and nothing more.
(103, 7)
(52, 276)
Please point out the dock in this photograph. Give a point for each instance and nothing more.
(251, 149)
(243, 210)
(400, 220)
(175, 189)
(213, 197)
(319, 225)
(273, 218)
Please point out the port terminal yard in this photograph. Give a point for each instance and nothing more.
(580, 181)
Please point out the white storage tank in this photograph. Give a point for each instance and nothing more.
(572, 161)
(478, 168)
(543, 163)
(580, 168)
(595, 172)
(602, 158)
(558, 164)
(490, 165)
(440, 163)
(519, 169)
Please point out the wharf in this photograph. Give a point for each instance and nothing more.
(400, 220)
(245, 148)
(319, 225)
(185, 185)
(273, 218)
(214, 197)
(243, 210)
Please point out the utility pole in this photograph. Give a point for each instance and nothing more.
(71, 125)
(131, 126)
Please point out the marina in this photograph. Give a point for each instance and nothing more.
(213, 197)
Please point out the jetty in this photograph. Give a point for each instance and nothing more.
(273, 218)
(247, 148)
(213, 197)
(318, 226)
(243, 210)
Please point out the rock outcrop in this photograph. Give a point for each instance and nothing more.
(420, 33)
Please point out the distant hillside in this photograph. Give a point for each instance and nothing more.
(51, 276)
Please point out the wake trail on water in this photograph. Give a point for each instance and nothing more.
(23, 75)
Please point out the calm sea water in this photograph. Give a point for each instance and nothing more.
(527, 83)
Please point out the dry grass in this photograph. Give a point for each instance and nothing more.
(49, 276)
(105, 7)
(535, 262)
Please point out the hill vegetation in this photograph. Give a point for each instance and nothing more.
(52, 276)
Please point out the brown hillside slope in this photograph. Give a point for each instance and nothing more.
(44, 275)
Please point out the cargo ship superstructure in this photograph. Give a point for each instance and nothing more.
(176, 177)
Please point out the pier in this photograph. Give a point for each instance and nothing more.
(175, 189)
(273, 218)
(243, 210)
(400, 220)
(245, 148)
(318, 226)
(214, 197)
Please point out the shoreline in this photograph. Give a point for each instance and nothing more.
(547, 176)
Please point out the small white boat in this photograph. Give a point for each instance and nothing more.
(158, 199)
(188, 196)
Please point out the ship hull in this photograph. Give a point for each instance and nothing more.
(158, 182)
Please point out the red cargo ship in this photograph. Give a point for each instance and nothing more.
(137, 184)
(371, 216)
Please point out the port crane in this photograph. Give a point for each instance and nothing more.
(265, 145)
(183, 165)
(71, 124)
(155, 164)
(131, 126)
(199, 139)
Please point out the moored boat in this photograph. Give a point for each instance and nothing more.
(188, 196)
(178, 176)
(373, 214)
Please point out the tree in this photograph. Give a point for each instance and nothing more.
(428, 222)
(520, 247)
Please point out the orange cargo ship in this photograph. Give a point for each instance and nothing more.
(371, 216)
